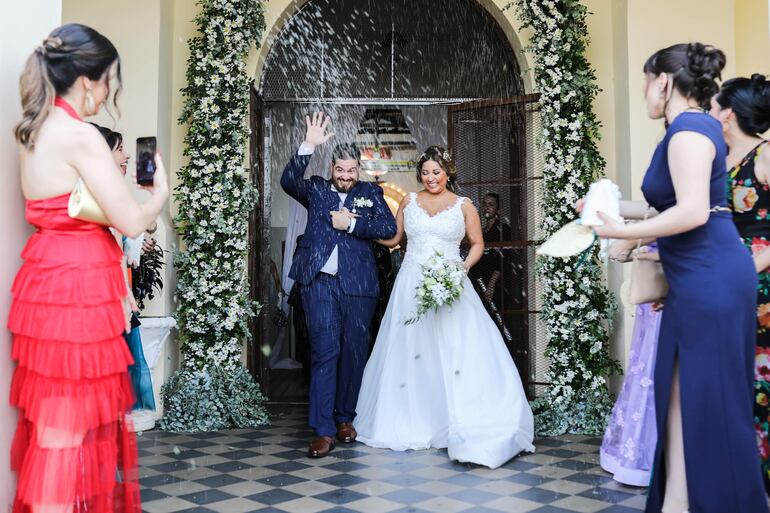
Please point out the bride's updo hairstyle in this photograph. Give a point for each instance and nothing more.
(694, 69)
(69, 52)
(749, 98)
(440, 156)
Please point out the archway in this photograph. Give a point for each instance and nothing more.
(398, 75)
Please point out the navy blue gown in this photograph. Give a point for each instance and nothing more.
(709, 326)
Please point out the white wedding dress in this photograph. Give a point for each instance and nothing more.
(447, 381)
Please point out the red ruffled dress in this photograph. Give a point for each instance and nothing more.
(71, 382)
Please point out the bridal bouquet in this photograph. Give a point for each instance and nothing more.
(441, 284)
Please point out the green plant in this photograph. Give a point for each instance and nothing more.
(147, 278)
(212, 400)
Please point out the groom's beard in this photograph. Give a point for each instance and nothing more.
(344, 185)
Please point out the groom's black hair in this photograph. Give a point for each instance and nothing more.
(346, 151)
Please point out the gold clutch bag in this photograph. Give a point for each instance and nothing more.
(83, 206)
(648, 282)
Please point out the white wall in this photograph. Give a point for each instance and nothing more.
(135, 30)
(24, 25)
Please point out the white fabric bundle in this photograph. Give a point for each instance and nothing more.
(603, 196)
(132, 248)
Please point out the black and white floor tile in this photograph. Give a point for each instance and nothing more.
(266, 470)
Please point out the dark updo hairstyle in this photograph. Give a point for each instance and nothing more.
(749, 98)
(114, 139)
(692, 67)
(70, 51)
(441, 157)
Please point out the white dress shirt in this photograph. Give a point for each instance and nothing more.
(331, 266)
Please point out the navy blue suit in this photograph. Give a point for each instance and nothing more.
(339, 307)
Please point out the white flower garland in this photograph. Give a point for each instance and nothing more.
(577, 305)
(214, 196)
(215, 201)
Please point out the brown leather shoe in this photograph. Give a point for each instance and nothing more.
(320, 447)
(346, 433)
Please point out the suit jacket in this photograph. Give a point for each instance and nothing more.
(356, 265)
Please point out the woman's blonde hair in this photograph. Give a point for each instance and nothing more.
(69, 52)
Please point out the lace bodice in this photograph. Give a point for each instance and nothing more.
(425, 233)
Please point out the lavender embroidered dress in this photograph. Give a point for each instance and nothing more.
(628, 448)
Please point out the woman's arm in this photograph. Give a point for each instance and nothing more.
(690, 156)
(396, 239)
(637, 210)
(762, 259)
(473, 233)
(95, 165)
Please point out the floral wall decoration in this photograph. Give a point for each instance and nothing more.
(577, 306)
(215, 199)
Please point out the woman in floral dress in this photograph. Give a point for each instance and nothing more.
(743, 108)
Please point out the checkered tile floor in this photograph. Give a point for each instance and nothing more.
(266, 470)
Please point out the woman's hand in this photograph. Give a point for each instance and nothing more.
(652, 256)
(620, 250)
(611, 229)
(579, 205)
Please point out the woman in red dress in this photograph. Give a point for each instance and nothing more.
(72, 450)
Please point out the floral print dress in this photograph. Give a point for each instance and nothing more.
(750, 202)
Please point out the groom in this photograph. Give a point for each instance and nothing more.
(334, 264)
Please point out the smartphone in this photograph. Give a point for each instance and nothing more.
(146, 147)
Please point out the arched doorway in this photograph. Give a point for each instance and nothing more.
(396, 75)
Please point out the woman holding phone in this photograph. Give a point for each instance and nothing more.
(72, 449)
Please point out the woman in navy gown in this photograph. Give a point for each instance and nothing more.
(706, 458)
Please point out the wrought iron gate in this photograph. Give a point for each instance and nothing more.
(495, 152)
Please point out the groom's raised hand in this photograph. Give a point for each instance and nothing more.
(316, 129)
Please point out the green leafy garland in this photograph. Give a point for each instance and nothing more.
(215, 200)
(577, 307)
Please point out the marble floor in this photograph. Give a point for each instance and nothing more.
(266, 470)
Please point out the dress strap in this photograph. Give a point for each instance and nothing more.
(65, 105)
(755, 151)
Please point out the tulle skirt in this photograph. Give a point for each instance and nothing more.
(71, 385)
(447, 381)
(628, 448)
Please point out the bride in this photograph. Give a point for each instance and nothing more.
(446, 381)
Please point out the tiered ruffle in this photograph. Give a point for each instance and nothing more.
(67, 323)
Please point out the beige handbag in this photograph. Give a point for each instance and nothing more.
(83, 206)
(648, 282)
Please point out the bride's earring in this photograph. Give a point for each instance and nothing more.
(90, 103)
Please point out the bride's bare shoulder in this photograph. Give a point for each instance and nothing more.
(467, 205)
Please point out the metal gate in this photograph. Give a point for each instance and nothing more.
(495, 152)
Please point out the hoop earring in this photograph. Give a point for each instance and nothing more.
(90, 103)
